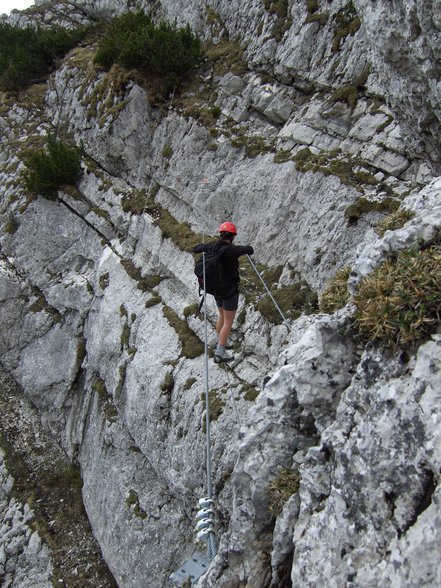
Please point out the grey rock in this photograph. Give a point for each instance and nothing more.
(107, 370)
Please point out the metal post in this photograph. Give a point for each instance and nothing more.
(267, 289)
(211, 539)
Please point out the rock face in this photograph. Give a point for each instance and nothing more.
(332, 124)
(25, 561)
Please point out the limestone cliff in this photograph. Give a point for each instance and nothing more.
(307, 124)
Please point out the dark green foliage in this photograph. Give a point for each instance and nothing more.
(191, 344)
(311, 6)
(49, 169)
(347, 23)
(27, 55)
(281, 9)
(293, 300)
(363, 206)
(163, 51)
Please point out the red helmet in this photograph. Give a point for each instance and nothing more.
(228, 228)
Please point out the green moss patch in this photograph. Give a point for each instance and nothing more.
(352, 171)
(146, 283)
(191, 345)
(363, 206)
(109, 409)
(293, 300)
(250, 392)
(216, 403)
(132, 503)
(347, 23)
(168, 383)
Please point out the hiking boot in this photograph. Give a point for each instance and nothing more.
(222, 357)
(213, 345)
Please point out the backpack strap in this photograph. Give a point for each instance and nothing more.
(200, 303)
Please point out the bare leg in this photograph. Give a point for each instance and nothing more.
(220, 320)
(227, 323)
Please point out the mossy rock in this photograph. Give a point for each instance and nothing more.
(363, 206)
(192, 346)
(293, 300)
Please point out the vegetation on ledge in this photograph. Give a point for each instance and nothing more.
(163, 51)
(27, 55)
(52, 167)
(398, 304)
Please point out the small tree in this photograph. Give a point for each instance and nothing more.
(27, 55)
(162, 51)
(49, 169)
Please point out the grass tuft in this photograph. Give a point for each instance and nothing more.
(281, 488)
(399, 303)
(395, 220)
(335, 294)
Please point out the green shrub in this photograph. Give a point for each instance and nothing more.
(363, 206)
(163, 51)
(311, 6)
(27, 55)
(399, 302)
(293, 300)
(49, 169)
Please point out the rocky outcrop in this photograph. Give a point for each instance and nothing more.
(25, 560)
(311, 144)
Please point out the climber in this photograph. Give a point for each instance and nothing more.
(227, 297)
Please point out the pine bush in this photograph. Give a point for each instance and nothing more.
(27, 55)
(163, 51)
(49, 169)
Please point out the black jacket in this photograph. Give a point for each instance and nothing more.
(230, 259)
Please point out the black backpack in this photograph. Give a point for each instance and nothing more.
(214, 273)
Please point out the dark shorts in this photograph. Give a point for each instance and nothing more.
(229, 301)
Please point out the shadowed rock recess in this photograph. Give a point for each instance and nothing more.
(315, 126)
